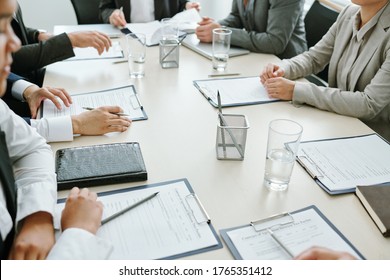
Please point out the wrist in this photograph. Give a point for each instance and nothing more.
(29, 91)
(76, 125)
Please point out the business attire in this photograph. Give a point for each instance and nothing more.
(34, 55)
(56, 129)
(359, 69)
(272, 26)
(27, 162)
(162, 8)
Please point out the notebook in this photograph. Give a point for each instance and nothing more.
(99, 165)
(206, 49)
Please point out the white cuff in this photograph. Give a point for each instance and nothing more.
(54, 129)
(18, 88)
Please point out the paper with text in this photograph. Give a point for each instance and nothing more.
(307, 229)
(115, 51)
(125, 97)
(342, 164)
(234, 91)
(161, 227)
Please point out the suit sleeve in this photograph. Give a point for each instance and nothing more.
(106, 7)
(12, 78)
(34, 56)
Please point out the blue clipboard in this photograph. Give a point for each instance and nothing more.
(236, 254)
(187, 184)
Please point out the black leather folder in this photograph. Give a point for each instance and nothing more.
(100, 165)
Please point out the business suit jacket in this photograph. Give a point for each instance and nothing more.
(33, 55)
(368, 95)
(268, 26)
(162, 8)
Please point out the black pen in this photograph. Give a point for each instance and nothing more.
(118, 114)
(117, 214)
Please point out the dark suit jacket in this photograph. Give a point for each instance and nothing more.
(162, 8)
(20, 108)
(34, 55)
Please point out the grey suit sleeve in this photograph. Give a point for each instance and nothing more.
(106, 7)
(282, 18)
(233, 19)
(35, 56)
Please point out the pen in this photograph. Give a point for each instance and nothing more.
(118, 114)
(221, 123)
(223, 74)
(119, 61)
(117, 214)
(280, 243)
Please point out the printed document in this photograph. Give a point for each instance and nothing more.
(163, 226)
(125, 97)
(342, 164)
(306, 229)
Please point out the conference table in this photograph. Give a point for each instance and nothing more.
(178, 141)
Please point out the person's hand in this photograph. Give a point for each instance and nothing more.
(280, 88)
(100, 121)
(95, 39)
(35, 238)
(82, 210)
(320, 253)
(204, 31)
(117, 18)
(34, 96)
(271, 71)
(193, 5)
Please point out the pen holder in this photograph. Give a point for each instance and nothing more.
(169, 53)
(231, 136)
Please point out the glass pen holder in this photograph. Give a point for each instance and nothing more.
(169, 53)
(231, 136)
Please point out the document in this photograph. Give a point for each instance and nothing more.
(125, 97)
(234, 91)
(164, 227)
(115, 51)
(307, 227)
(339, 165)
(110, 30)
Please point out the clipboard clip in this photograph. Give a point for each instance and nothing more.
(317, 174)
(268, 224)
(138, 104)
(197, 211)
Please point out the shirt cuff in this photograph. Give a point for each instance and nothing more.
(54, 129)
(18, 89)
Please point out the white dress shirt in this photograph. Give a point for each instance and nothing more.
(52, 129)
(142, 11)
(35, 179)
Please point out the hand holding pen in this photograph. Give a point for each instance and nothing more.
(117, 18)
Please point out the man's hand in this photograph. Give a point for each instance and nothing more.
(193, 5)
(271, 71)
(117, 18)
(204, 31)
(34, 96)
(100, 121)
(320, 253)
(95, 39)
(280, 88)
(35, 238)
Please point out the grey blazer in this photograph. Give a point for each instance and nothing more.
(368, 97)
(268, 26)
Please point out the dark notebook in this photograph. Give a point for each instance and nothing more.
(376, 200)
(99, 165)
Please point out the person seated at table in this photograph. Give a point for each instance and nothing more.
(321, 253)
(28, 187)
(274, 27)
(120, 12)
(40, 49)
(95, 122)
(357, 49)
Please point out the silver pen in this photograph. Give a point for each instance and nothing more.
(274, 237)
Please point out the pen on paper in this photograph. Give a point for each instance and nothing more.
(223, 74)
(274, 237)
(118, 114)
(138, 203)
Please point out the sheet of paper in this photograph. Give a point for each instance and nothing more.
(115, 51)
(124, 97)
(234, 91)
(161, 227)
(148, 29)
(307, 229)
(188, 20)
(344, 163)
(110, 30)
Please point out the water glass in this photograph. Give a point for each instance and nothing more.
(284, 137)
(221, 47)
(136, 49)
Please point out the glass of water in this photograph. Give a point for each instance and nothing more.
(221, 47)
(136, 50)
(284, 137)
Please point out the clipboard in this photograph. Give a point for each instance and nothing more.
(324, 174)
(190, 208)
(126, 97)
(283, 245)
(239, 91)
